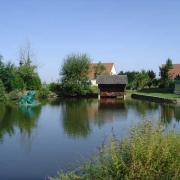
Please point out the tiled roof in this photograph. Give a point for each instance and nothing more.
(113, 79)
(91, 70)
(175, 71)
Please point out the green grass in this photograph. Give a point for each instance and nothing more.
(147, 153)
(162, 95)
(157, 92)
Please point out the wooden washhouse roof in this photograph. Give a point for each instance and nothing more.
(112, 79)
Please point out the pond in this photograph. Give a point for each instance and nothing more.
(37, 142)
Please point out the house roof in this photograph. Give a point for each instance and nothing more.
(91, 69)
(112, 79)
(175, 71)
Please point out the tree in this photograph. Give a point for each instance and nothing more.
(27, 70)
(131, 77)
(141, 79)
(152, 77)
(165, 76)
(100, 69)
(74, 74)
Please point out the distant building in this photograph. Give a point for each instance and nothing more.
(175, 71)
(109, 69)
(112, 86)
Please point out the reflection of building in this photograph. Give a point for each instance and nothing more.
(109, 69)
(112, 86)
(110, 104)
(111, 109)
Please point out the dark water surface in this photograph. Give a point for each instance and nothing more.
(37, 142)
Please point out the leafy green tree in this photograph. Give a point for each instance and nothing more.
(141, 79)
(2, 92)
(28, 71)
(100, 69)
(131, 78)
(74, 74)
(152, 77)
(165, 76)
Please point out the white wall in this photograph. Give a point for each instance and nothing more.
(113, 71)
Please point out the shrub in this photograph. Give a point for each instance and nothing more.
(44, 92)
(147, 153)
(2, 92)
(55, 87)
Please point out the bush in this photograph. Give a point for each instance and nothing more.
(148, 153)
(2, 92)
(44, 92)
(55, 87)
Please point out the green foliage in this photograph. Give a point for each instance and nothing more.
(2, 92)
(27, 71)
(10, 76)
(131, 78)
(152, 78)
(20, 77)
(165, 76)
(55, 87)
(141, 79)
(100, 69)
(74, 74)
(44, 92)
(148, 153)
(94, 89)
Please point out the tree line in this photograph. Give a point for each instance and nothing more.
(143, 79)
(19, 77)
(73, 73)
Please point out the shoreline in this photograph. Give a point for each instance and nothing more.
(154, 98)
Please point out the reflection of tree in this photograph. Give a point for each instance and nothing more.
(177, 113)
(75, 117)
(167, 113)
(142, 107)
(23, 118)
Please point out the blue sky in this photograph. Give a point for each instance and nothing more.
(134, 34)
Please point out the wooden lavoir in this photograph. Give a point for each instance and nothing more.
(112, 86)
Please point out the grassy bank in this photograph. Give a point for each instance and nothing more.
(147, 153)
(162, 93)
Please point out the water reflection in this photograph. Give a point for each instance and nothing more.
(78, 117)
(169, 112)
(52, 136)
(23, 118)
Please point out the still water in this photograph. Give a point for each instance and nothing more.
(37, 142)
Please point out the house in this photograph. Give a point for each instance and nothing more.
(175, 71)
(112, 85)
(109, 69)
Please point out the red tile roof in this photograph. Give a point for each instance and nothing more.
(175, 70)
(91, 70)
